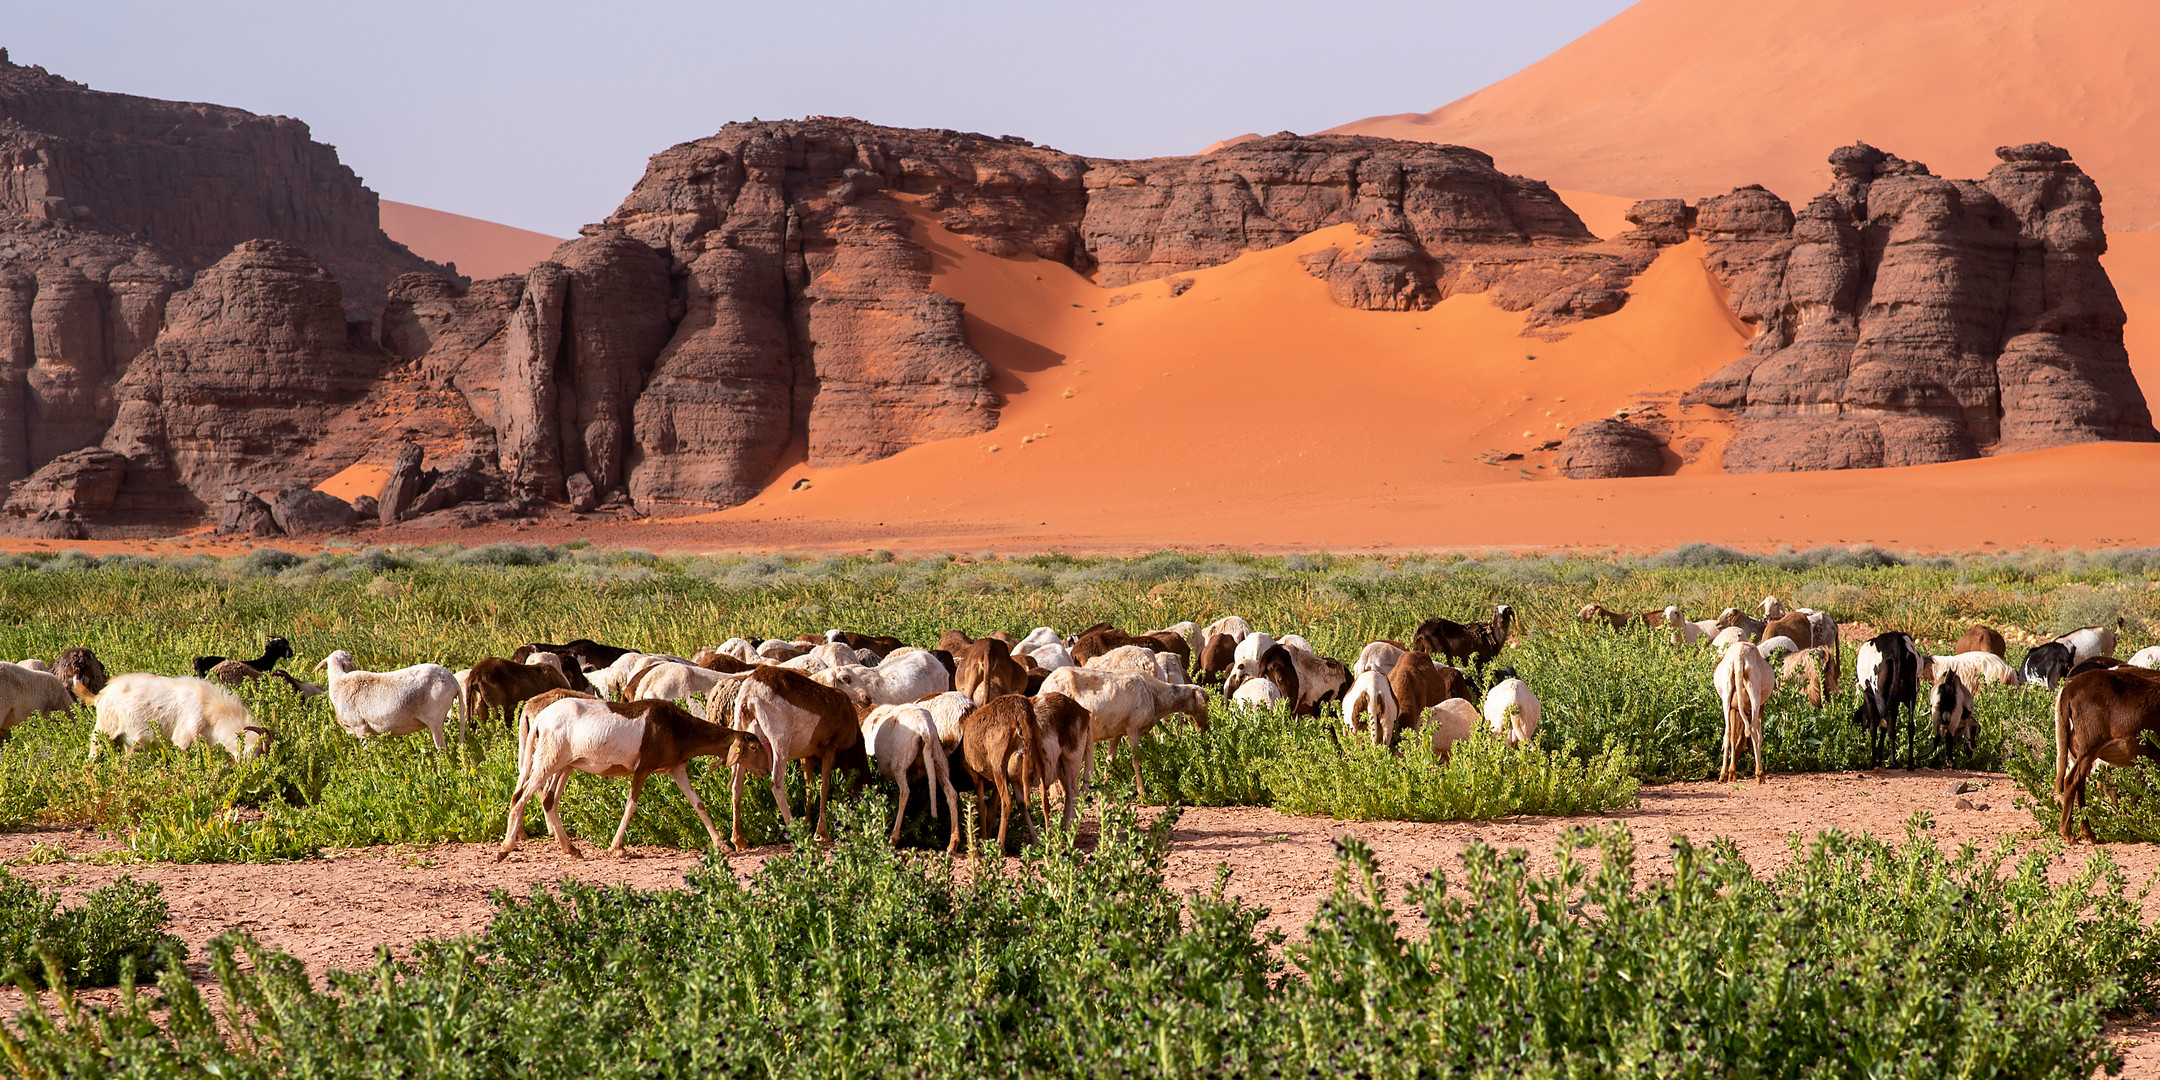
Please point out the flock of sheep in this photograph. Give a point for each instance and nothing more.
(1017, 716)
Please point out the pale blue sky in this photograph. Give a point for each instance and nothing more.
(541, 114)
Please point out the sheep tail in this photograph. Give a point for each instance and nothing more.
(525, 747)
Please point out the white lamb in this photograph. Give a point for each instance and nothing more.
(1259, 693)
(1744, 681)
(1512, 711)
(401, 702)
(902, 739)
(140, 708)
(1371, 696)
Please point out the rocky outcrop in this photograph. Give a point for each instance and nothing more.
(191, 178)
(1905, 318)
(244, 513)
(82, 482)
(299, 511)
(1608, 449)
(254, 359)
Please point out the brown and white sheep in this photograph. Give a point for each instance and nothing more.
(799, 719)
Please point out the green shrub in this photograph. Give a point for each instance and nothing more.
(121, 923)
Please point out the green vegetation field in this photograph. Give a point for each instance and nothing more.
(1861, 958)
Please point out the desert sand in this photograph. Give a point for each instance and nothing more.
(1686, 98)
(481, 249)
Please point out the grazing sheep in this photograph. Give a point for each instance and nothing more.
(1320, 679)
(2089, 642)
(742, 649)
(1460, 643)
(1278, 665)
(1218, 655)
(1985, 639)
(1750, 626)
(231, 673)
(712, 659)
(370, 703)
(1954, 720)
(1052, 657)
(1169, 641)
(573, 672)
(1975, 668)
(138, 708)
(80, 665)
(1126, 706)
(1744, 682)
(879, 645)
(1062, 730)
(1249, 651)
(2049, 664)
(2102, 716)
(589, 653)
(1371, 695)
(1772, 646)
(278, 649)
(1230, 626)
(809, 663)
(986, 669)
(1818, 666)
(903, 740)
(26, 692)
(775, 650)
(1452, 721)
(1772, 609)
(1888, 677)
(1187, 630)
(1260, 693)
(305, 690)
(1727, 636)
(1000, 749)
(947, 709)
(498, 685)
(1686, 632)
(1797, 626)
(1511, 710)
(1100, 639)
(1039, 637)
(2147, 657)
(1597, 615)
(683, 682)
(797, 718)
(611, 738)
(1379, 656)
(1418, 684)
(905, 676)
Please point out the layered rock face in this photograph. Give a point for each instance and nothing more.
(1907, 319)
(254, 360)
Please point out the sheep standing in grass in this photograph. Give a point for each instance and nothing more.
(140, 708)
(2147, 657)
(1258, 693)
(904, 739)
(1452, 721)
(370, 703)
(26, 692)
(1371, 696)
(1511, 710)
(1744, 681)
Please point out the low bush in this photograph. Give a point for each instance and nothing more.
(119, 925)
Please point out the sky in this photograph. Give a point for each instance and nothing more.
(541, 114)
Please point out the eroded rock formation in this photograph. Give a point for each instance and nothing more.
(1905, 318)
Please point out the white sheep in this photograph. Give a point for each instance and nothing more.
(905, 738)
(1250, 648)
(1235, 628)
(401, 702)
(906, 676)
(776, 650)
(1143, 660)
(1728, 636)
(1512, 711)
(1370, 695)
(679, 682)
(1685, 632)
(810, 663)
(1052, 656)
(2147, 657)
(140, 708)
(1296, 643)
(1037, 638)
(26, 692)
(740, 649)
(1380, 656)
(1772, 609)
(33, 664)
(946, 710)
(1125, 706)
(2090, 642)
(1972, 668)
(1452, 721)
(1189, 630)
(1773, 646)
(1744, 681)
(1259, 693)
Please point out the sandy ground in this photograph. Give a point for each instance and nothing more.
(1687, 98)
(336, 912)
(481, 249)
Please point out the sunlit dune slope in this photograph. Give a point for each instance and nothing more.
(1685, 98)
(481, 249)
(1137, 410)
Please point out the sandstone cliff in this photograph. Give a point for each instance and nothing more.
(1906, 319)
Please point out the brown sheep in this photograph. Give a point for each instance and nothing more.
(1217, 655)
(1279, 667)
(1170, 641)
(999, 746)
(1101, 639)
(1062, 729)
(496, 683)
(954, 641)
(1460, 643)
(799, 719)
(1820, 665)
(1419, 684)
(80, 665)
(714, 660)
(1982, 639)
(2101, 716)
(1598, 615)
(986, 669)
(1796, 626)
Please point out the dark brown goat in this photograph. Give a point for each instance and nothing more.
(986, 669)
(881, 644)
(1101, 639)
(1279, 667)
(1170, 641)
(2101, 716)
(1982, 639)
(590, 653)
(1419, 684)
(80, 665)
(496, 683)
(1217, 654)
(1000, 748)
(1475, 644)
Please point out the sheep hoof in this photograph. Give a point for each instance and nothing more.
(502, 854)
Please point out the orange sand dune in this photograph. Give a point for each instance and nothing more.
(2133, 264)
(1686, 98)
(481, 249)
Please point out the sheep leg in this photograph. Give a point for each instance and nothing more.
(1004, 798)
(629, 806)
(779, 791)
(900, 805)
(735, 807)
(516, 827)
(548, 800)
(824, 796)
(681, 775)
(1757, 739)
